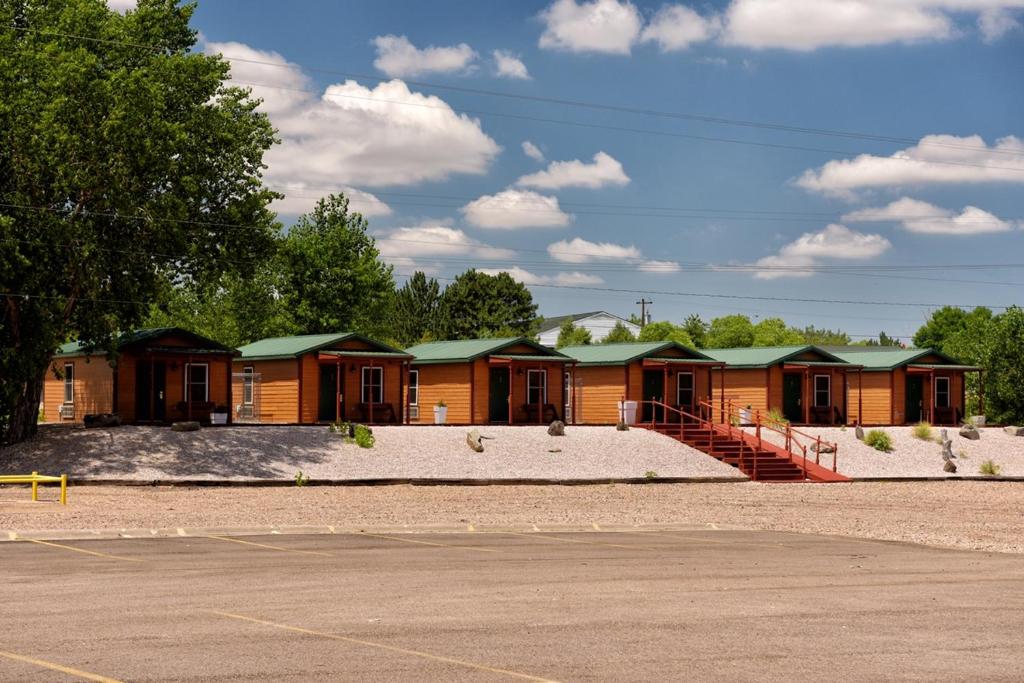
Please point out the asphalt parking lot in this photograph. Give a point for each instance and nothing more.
(644, 605)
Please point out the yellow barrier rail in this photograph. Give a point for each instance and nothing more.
(35, 479)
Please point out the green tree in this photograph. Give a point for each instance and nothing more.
(966, 336)
(947, 322)
(775, 332)
(1003, 360)
(415, 310)
(619, 334)
(331, 278)
(136, 162)
(823, 337)
(697, 329)
(730, 331)
(476, 304)
(663, 330)
(570, 335)
(882, 340)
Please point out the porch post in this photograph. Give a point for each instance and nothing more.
(721, 388)
(540, 393)
(572, 392)
(931, 396)
(337, 388)
(860, 396)
(510, 391)
(846, 398)
(401, 388)
(831, 395)
(807, 404)
(231, 403)
(472, 392)
(407, 365)
(370, 395)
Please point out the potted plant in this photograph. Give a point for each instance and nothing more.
(746, 415)
(219, 416)
(441, 413)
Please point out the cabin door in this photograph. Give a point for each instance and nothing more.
(653, 389)
(327, 410)
(793, 397)
(915, 398)
(150, 391)
(498, 395)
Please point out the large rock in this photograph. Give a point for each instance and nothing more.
(102, 420)
(185, 427)
(949, 466)
(556, 428)
(970, 432)
(859, 433)
(474, 441)
(1014, 431)
(622, 427)
(824, 447)
(947, 450)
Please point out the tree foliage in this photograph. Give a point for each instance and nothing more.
(136, 163)
(619, 334)
(882, 340)
(730, 331)
(664, 330)
(415, 310)
(697, 329)
(476, 304)
(775, 332)
(824, 337)
(570, 335)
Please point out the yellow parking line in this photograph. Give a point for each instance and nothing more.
(269, 547)
(439, 545)
(84, 675)
(382, 646)
(576, 540)
(82, 550)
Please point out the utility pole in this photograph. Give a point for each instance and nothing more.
(643, 303)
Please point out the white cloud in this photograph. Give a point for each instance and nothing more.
(353, 135)
(936, 159)
(921, 217)
(677, 27)
(834, 242)
(608, 26)
(659, 267)
(579, 250)
(604, 170)
(510, 209)
(413, 247)
(533, 151)
(121, 5)
(507, 65)
(397, 57)
(299, 199)
(996, 23)
(528, 278)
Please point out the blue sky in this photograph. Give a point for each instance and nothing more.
(446, 183)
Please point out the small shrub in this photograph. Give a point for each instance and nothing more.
(962, 454)
(42, 415)
(301, 479)
(441, 404)
(776, 418)
(364, 437)
(923, 431)
(989, 469)
(650, 474)
(879, 440)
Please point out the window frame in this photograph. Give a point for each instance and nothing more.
(828, 391)
(949, 392)
(189, 383)
(69, 383)
(692, 389)
(414, 388)
(364, 385)
(543, 386)
(248, 385)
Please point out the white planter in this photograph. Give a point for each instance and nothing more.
(978, 420)
(440, 415)
(627, 412)
(218, 418)
(746, 416)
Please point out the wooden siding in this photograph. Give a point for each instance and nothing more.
(745, 387)
(278, 390)
(598, 392)
(448, 382)
(93, 387)
(875, 396)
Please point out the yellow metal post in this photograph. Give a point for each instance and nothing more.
(35, 486)
(63, 489)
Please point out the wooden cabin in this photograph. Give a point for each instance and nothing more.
(154, 376)
(321, 378)
(807, 384)
(905, 386)
(606, 374)
(488, 381)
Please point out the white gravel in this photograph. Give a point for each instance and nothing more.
(913, 457)
(248, 453)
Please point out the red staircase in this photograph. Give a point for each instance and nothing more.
(755, 456)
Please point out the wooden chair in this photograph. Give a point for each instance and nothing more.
(549, 415)
(380, 411)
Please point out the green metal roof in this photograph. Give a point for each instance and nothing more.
(465, 350)
(766, 356)
(275, 348)
(620, 354)
(887, 357)
(127, 339)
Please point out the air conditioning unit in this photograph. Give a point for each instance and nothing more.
(67, 411)
(414, 412)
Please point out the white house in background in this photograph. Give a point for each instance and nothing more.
(600, 323)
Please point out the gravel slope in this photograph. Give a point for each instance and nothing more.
(236, 453)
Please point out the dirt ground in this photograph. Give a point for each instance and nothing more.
(973, 515)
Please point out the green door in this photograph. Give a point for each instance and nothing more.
(653, 390)
(915, 398)
(328, 405)
(793, 397)
(498, 395)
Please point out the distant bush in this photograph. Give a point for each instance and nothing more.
(923, 431)
(776, 418)
(301, 479)
(364, 437)
(650, 474)
(879, 440)
(989, 469)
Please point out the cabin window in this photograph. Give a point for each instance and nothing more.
(69, 383)
(248, 375)
(941, 392)
(197, 382)
(414, 387)
(373, 385)
(822, 391)
(536, 386)
(684, 389)
(567, 393)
